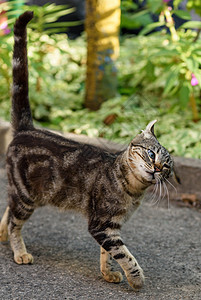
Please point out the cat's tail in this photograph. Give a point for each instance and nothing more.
(21, 117)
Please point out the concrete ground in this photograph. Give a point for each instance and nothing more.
(166, 242)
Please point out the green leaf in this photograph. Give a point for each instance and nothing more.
(182, 14)
(58, 14)
(52, 8)
(129, 22)
(155, 5)
(171, 81)
(149, 68)
(63, 24)
(184, 93)
(191, 24)
(128, 5)
(192, 64)
(197, 59)
(165, 52)
(151, 27)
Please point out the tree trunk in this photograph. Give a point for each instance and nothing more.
(102, 27)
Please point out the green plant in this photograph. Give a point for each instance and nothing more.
(155, 75)
(168, 64)
(133, 16)
(47, 52)
(162, 67)
(45, 17)
(56, 74)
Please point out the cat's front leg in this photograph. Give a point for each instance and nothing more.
(108, 237)
(129, 264)
(106, 267)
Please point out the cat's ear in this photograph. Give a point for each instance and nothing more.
(150, 127)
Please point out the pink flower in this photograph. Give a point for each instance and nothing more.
(4, 26)
(194, 80)
(7, 30)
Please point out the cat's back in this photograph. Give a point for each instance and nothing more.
(44, 142)
(47, 166)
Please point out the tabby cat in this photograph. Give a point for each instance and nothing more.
(45, 168)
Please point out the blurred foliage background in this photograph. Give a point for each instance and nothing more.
(159, 75)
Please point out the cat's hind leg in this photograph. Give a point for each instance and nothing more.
(4, 226)
(19, 213)
(106, 268)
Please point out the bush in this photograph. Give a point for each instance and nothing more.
(155, 82)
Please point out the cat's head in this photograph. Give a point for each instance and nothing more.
(151, 161)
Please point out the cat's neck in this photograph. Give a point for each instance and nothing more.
(136, 185)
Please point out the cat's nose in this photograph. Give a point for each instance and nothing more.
(157, 168)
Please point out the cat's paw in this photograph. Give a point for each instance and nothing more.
(114, 277)
(25, 258)
(3, 234)
(136, 279)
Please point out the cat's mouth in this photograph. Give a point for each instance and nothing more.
(154, 176)
(151, 177)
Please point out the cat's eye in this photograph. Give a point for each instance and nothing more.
(151, 154)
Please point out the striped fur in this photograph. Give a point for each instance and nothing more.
(21, 113)
(45, 168)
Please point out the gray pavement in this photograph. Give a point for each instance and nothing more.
(166, 242)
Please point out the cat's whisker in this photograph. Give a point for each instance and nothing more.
(167, 193)
(171, 185)
(162, 195)
(153, 194)
(164, 190)
(159, 196)
(155, 199)
(160, 190)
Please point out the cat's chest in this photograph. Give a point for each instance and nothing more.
(132, 204)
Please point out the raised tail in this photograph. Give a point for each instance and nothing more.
(21, 117)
